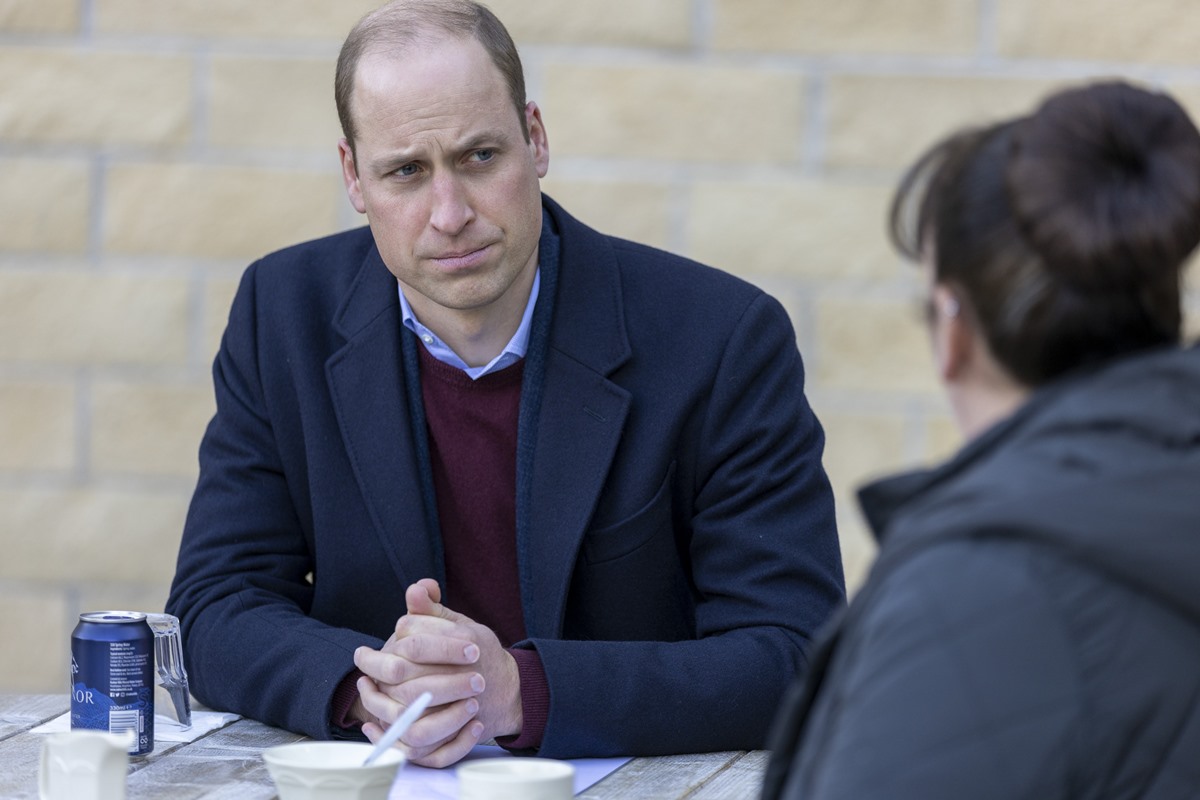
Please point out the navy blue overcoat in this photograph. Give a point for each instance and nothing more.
(675, 527)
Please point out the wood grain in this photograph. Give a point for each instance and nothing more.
(227, 764)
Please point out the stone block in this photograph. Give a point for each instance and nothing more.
(675, 113)
(35, 626)
(814, 230)
(860, 446)
(148, 429)
(39, 16)
(79, 316)
(1150, 31)
(873, 344)
(58, 95)
(922, 27)
(215, 212)
(150, 597)
(857, 543)
(888, 121)
(635, 23)
(637, 211)
(942, 438)
(91, 534)
(45, 204)
(233, 19)
(37, 426)
(275, 103)
(218, 297)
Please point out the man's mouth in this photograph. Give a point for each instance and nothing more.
(461, 259)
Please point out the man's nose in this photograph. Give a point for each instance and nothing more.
(451, 209)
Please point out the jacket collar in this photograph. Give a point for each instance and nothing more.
(593, 333)
(1103, 397)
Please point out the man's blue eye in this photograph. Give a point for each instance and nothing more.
(485, 155)
(407, 170)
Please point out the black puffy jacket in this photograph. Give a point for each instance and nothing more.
(1031, 627)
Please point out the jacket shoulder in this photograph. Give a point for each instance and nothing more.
(954, 661)
(647, 271)
(328, 255)
(649, 268)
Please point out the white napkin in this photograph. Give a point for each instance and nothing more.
(165, 728)
(423, 783)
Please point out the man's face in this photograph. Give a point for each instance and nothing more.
(446, 178)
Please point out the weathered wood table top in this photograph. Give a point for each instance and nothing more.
(226, 764)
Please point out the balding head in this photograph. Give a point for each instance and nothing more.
(401, 24)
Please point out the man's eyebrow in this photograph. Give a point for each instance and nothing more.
(483, 139)
(391, 162)
(394, 160)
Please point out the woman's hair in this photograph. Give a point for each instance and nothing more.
(1063, 232)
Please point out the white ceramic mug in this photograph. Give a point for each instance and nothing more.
(516, 779)
(84, 765)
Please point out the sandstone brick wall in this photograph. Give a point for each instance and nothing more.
(149, 149)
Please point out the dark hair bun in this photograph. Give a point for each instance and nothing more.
(1104, 182)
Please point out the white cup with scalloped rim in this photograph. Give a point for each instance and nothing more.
(331, 771)
(516, 779)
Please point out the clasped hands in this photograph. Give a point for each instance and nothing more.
(474, 681)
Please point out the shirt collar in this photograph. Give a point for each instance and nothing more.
(513, 352)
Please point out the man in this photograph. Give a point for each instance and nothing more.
(567, 484)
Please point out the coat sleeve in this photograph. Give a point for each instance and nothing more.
(958, 681)
(243, 582)
(764, 571)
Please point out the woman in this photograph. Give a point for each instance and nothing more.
(1031, 627)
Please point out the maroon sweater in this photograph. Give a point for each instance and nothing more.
(472, 428)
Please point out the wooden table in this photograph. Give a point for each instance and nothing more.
(225, 764)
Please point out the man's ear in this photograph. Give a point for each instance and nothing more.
(539, 142)
(350, 176)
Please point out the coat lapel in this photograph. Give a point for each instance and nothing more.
(366, 382)
(565, 455)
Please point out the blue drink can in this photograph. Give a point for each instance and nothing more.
(112, 676)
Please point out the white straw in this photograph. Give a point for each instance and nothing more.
(397, 728)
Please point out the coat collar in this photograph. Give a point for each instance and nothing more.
(593, 332)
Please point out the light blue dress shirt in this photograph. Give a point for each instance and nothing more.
(513, 352)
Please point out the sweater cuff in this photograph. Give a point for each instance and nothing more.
(343, 699)
(535, 702)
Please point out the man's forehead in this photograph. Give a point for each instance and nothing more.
(426, 72)
(420, 49)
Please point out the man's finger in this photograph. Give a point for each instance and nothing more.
(372, 731)
(391, 669)
(377, 703)
(453, 751)
(445, 688)
(421, 598)
(383, 667)
(425, 648)
(440, 723)
(424, 598)
(433, 589)
(412, 624)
